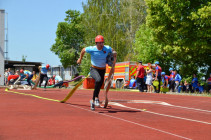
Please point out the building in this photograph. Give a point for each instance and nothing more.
(65, 73)
(17, 65)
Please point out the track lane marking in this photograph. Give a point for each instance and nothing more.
(158, 102)
(120, 105)
(162, 131)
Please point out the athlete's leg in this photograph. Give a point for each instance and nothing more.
(98, 75)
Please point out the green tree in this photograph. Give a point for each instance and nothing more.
(149, 51)
(111, 19)
(183, 28)
(24, 58)
(69, 38)
(116, 20)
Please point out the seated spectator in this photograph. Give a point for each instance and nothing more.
(180, 87)
(209, 84)
(187, 86)
(194, 83)
(199, 88)
(132, 82)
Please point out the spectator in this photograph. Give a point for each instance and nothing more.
(177, 78)
(132, 82)
(9, 72)
(34, 78)
(158, 71)
(140, 77)
(187, 87)
(165, 80)
(17, 72)
(171, 80)
(180, 87)
(209, 84)
(199, 88)
(149, 78)
(5, 77)
(194, 83)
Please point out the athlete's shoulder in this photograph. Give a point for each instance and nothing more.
(90, 48)
(107, 47)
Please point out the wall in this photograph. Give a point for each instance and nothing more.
(2, 42)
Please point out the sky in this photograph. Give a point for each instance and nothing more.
(32, 26)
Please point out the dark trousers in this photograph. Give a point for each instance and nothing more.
(98, 75)
(159, 80)
(29, 79)
(140, 84)
(42, 76)
(171, 85)
(60, 83)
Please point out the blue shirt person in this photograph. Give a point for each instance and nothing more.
(194, 81)
(99, 54)
(26, 74)
(59, 81)
(43, 75)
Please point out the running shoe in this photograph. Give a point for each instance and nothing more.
(97, 102)
(92, 105)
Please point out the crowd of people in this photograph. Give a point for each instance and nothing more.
(147, 80)
(26, 77)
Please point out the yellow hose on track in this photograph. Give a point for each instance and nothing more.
(33, 96)
(72, 91)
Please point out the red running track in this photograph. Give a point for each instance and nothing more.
(166, 116)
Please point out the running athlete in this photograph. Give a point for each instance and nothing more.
(98, 53)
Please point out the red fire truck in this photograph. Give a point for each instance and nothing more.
(123, 73)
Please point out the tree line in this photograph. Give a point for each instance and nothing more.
(175, 33)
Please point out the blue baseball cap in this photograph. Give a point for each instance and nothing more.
(163, 73)
(170, 69)
(157, 62)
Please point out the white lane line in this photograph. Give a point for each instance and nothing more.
(191, 108)
(118, 104)
(158, 102)
(162, 131)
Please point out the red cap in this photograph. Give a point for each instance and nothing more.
(99, 38)
(47, 66)
(21, 71)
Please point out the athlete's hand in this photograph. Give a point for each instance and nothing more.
(79, 61)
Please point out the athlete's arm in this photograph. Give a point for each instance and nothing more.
(81, 56)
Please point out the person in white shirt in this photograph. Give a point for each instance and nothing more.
(58, 81)
(149, 78)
